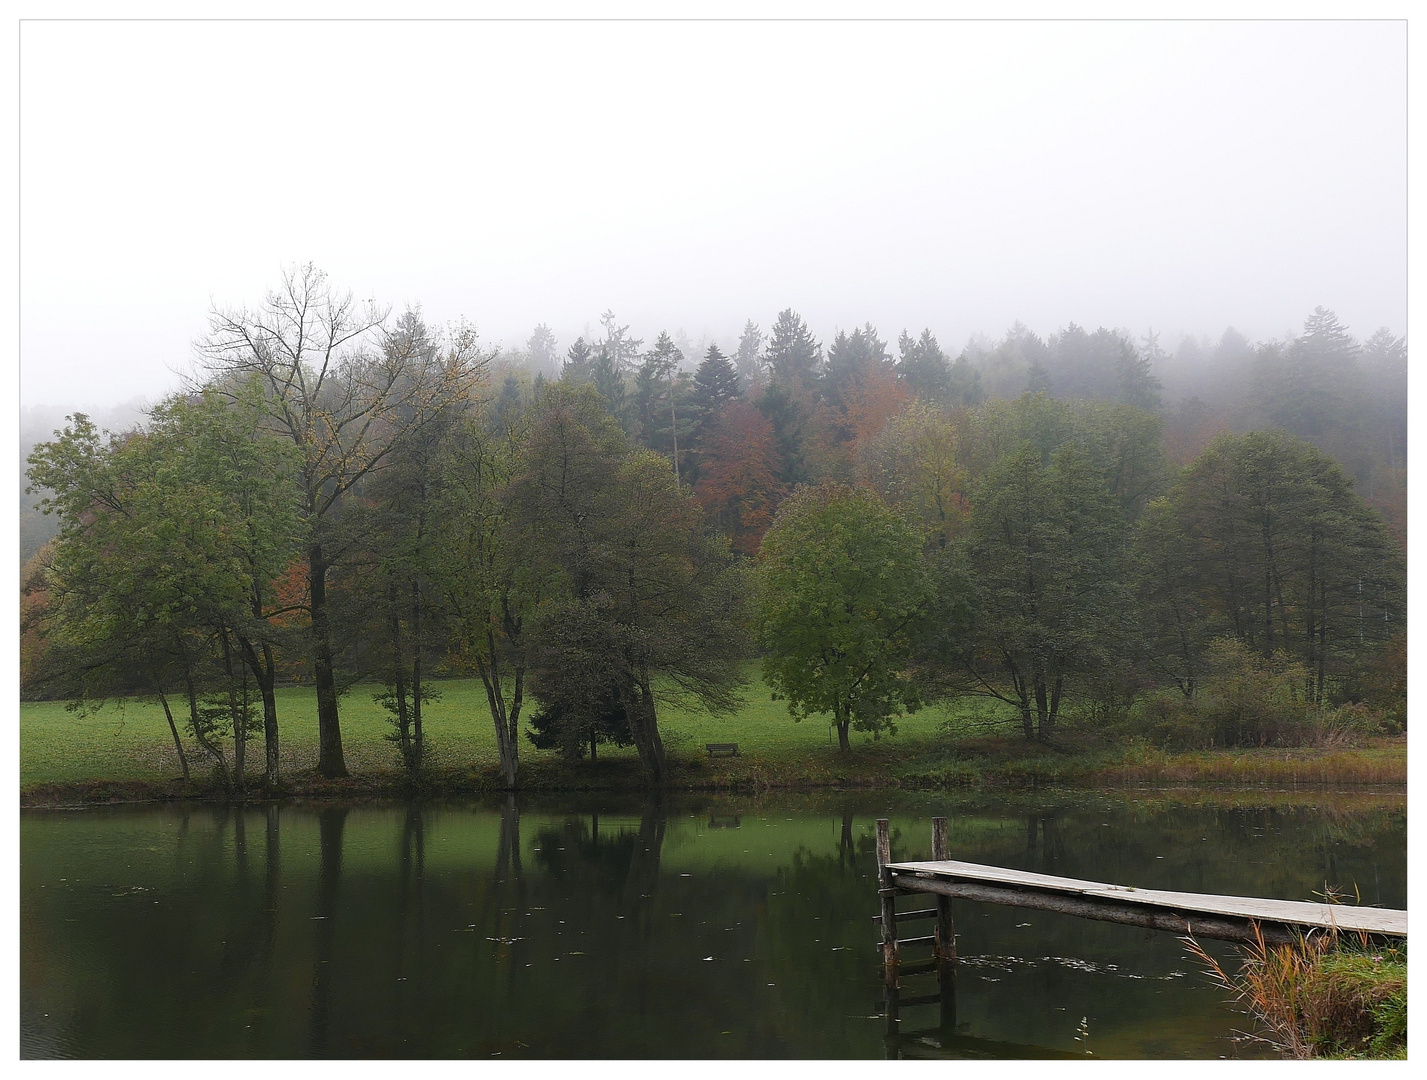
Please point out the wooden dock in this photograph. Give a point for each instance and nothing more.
(1231, 918)
(1244, 919)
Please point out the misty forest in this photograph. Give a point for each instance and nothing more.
(1197, 543)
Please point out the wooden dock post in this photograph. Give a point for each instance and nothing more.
(888, 895)
(944, 945)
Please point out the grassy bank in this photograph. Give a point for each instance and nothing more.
(124, 751)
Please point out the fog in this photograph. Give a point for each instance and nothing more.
(1181, 177)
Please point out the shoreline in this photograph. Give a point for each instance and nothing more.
(1137, 769)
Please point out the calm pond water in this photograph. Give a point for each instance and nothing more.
(713, 929)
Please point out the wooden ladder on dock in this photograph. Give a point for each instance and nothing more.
(942, 939)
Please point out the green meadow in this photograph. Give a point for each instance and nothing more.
(129, 739)
(127, 743)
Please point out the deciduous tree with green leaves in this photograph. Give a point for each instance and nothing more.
(1038, 584)
(840, 587)
(170, 540)
(1277, 551)
(485, 580)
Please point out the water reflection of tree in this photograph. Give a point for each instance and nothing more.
(507, 900)
(1045, 843)
(820, 937)
(330, 823)
(250, 936)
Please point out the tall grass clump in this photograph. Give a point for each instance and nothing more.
(1322, 996)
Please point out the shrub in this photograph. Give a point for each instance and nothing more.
(1385, 683)
(1246, 699)
(1168, 719)
(1253, 700)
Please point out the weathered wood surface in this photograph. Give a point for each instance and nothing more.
(1003, 885)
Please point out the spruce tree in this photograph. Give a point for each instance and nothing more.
(850, 360)
(542, 348)
(579, 363)
(716, 381)
(923, 367)
(748, 358)
(793, 356)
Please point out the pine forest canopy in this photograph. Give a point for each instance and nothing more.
(600, 530)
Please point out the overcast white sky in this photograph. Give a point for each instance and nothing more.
(1180, 176)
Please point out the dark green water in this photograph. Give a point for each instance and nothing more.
(728, 929)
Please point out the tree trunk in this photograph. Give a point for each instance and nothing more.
(506, 717)
(197, 721)
(239, 712)
(1053, 713)
(403, 723)
(330, 761)
(1268, 612)
(265, 674)
(643, 719)
(173, 729)
(1023, 697)
(416, 674)
(673, 427)
(512, 738)
(1323, 636)
(1310, 611)
(1042, 706)
(841, 718)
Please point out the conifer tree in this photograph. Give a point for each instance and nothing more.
(716, 381)
(793, 356)
(924, 367)
(748, 359)
(542, 348)
(579, 363)
(851, 360)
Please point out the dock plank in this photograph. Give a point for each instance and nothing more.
(1292, 912)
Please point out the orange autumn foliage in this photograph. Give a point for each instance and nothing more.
(878, 397)
(290, 595)
(740, 490)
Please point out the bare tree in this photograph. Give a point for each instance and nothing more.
(335, 385)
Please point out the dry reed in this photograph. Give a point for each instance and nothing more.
(1319, 996)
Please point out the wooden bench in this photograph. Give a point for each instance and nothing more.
(722, 749)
